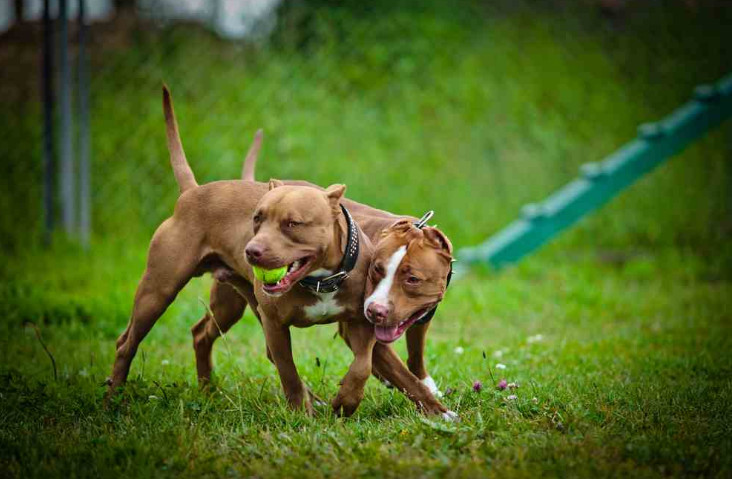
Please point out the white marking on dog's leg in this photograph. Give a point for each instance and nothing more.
(381, 292)
(432, 386)
(450, 416)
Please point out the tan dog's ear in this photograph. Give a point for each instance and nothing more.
(438, 238)
(334, 193)
(275, 184)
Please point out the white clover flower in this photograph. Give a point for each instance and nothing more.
(459, 350)
(500, 366)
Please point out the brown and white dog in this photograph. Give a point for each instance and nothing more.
(224, 227)
(406, 281)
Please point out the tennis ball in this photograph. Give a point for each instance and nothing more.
(269, 276)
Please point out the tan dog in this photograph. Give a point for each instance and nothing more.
(213, 229)
(399, 298)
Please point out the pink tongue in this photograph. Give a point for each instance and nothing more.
(386, 334)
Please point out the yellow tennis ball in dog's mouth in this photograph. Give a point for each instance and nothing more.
(269, 276)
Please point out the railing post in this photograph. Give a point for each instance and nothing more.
(48, 140)
(66, 177)
(84, 146)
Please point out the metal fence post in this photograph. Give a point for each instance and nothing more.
(84, 147)
(47, 93)
(66, 177)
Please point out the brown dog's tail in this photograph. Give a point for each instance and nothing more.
(181, 168)
(247, 173)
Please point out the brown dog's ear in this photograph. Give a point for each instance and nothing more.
(401, 226)
(438, 238)
(334, 193)
(275, 184)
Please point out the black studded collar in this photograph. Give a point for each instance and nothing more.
(331, 284)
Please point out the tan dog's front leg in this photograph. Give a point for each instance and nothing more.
(388, 365)
(360, 338)
(279, 346)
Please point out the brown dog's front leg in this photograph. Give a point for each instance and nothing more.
(388, 365)
(416, 335)
(279, 344)
(360, 338)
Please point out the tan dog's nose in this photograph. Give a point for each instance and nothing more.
(254, 253)
(377, 313)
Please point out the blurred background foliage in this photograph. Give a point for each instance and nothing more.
(471, 108)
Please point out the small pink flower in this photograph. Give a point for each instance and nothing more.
(512, 397)
(477, 386)
(502, 384)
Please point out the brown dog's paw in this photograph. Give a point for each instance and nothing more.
(432, 407)
(442, 412)
(345, 405)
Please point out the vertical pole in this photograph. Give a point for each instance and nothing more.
(68, 203)
(84, 147)
(47, 82)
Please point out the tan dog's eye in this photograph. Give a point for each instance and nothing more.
(257, 218)
(292, 224)
(413, 280)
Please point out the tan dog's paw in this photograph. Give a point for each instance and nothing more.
(301, 401)
(315, 400)
(345, 405)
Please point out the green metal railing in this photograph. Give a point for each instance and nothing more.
(600, 182)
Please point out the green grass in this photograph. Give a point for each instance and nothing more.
(467, 109)
(631, 377)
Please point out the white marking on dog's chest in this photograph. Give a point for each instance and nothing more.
(326, 307)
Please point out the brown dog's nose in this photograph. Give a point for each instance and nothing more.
(254, 252)
(377, 313)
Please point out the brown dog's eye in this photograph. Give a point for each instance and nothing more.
(411, 279)
(292, 224)
(379, 269)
